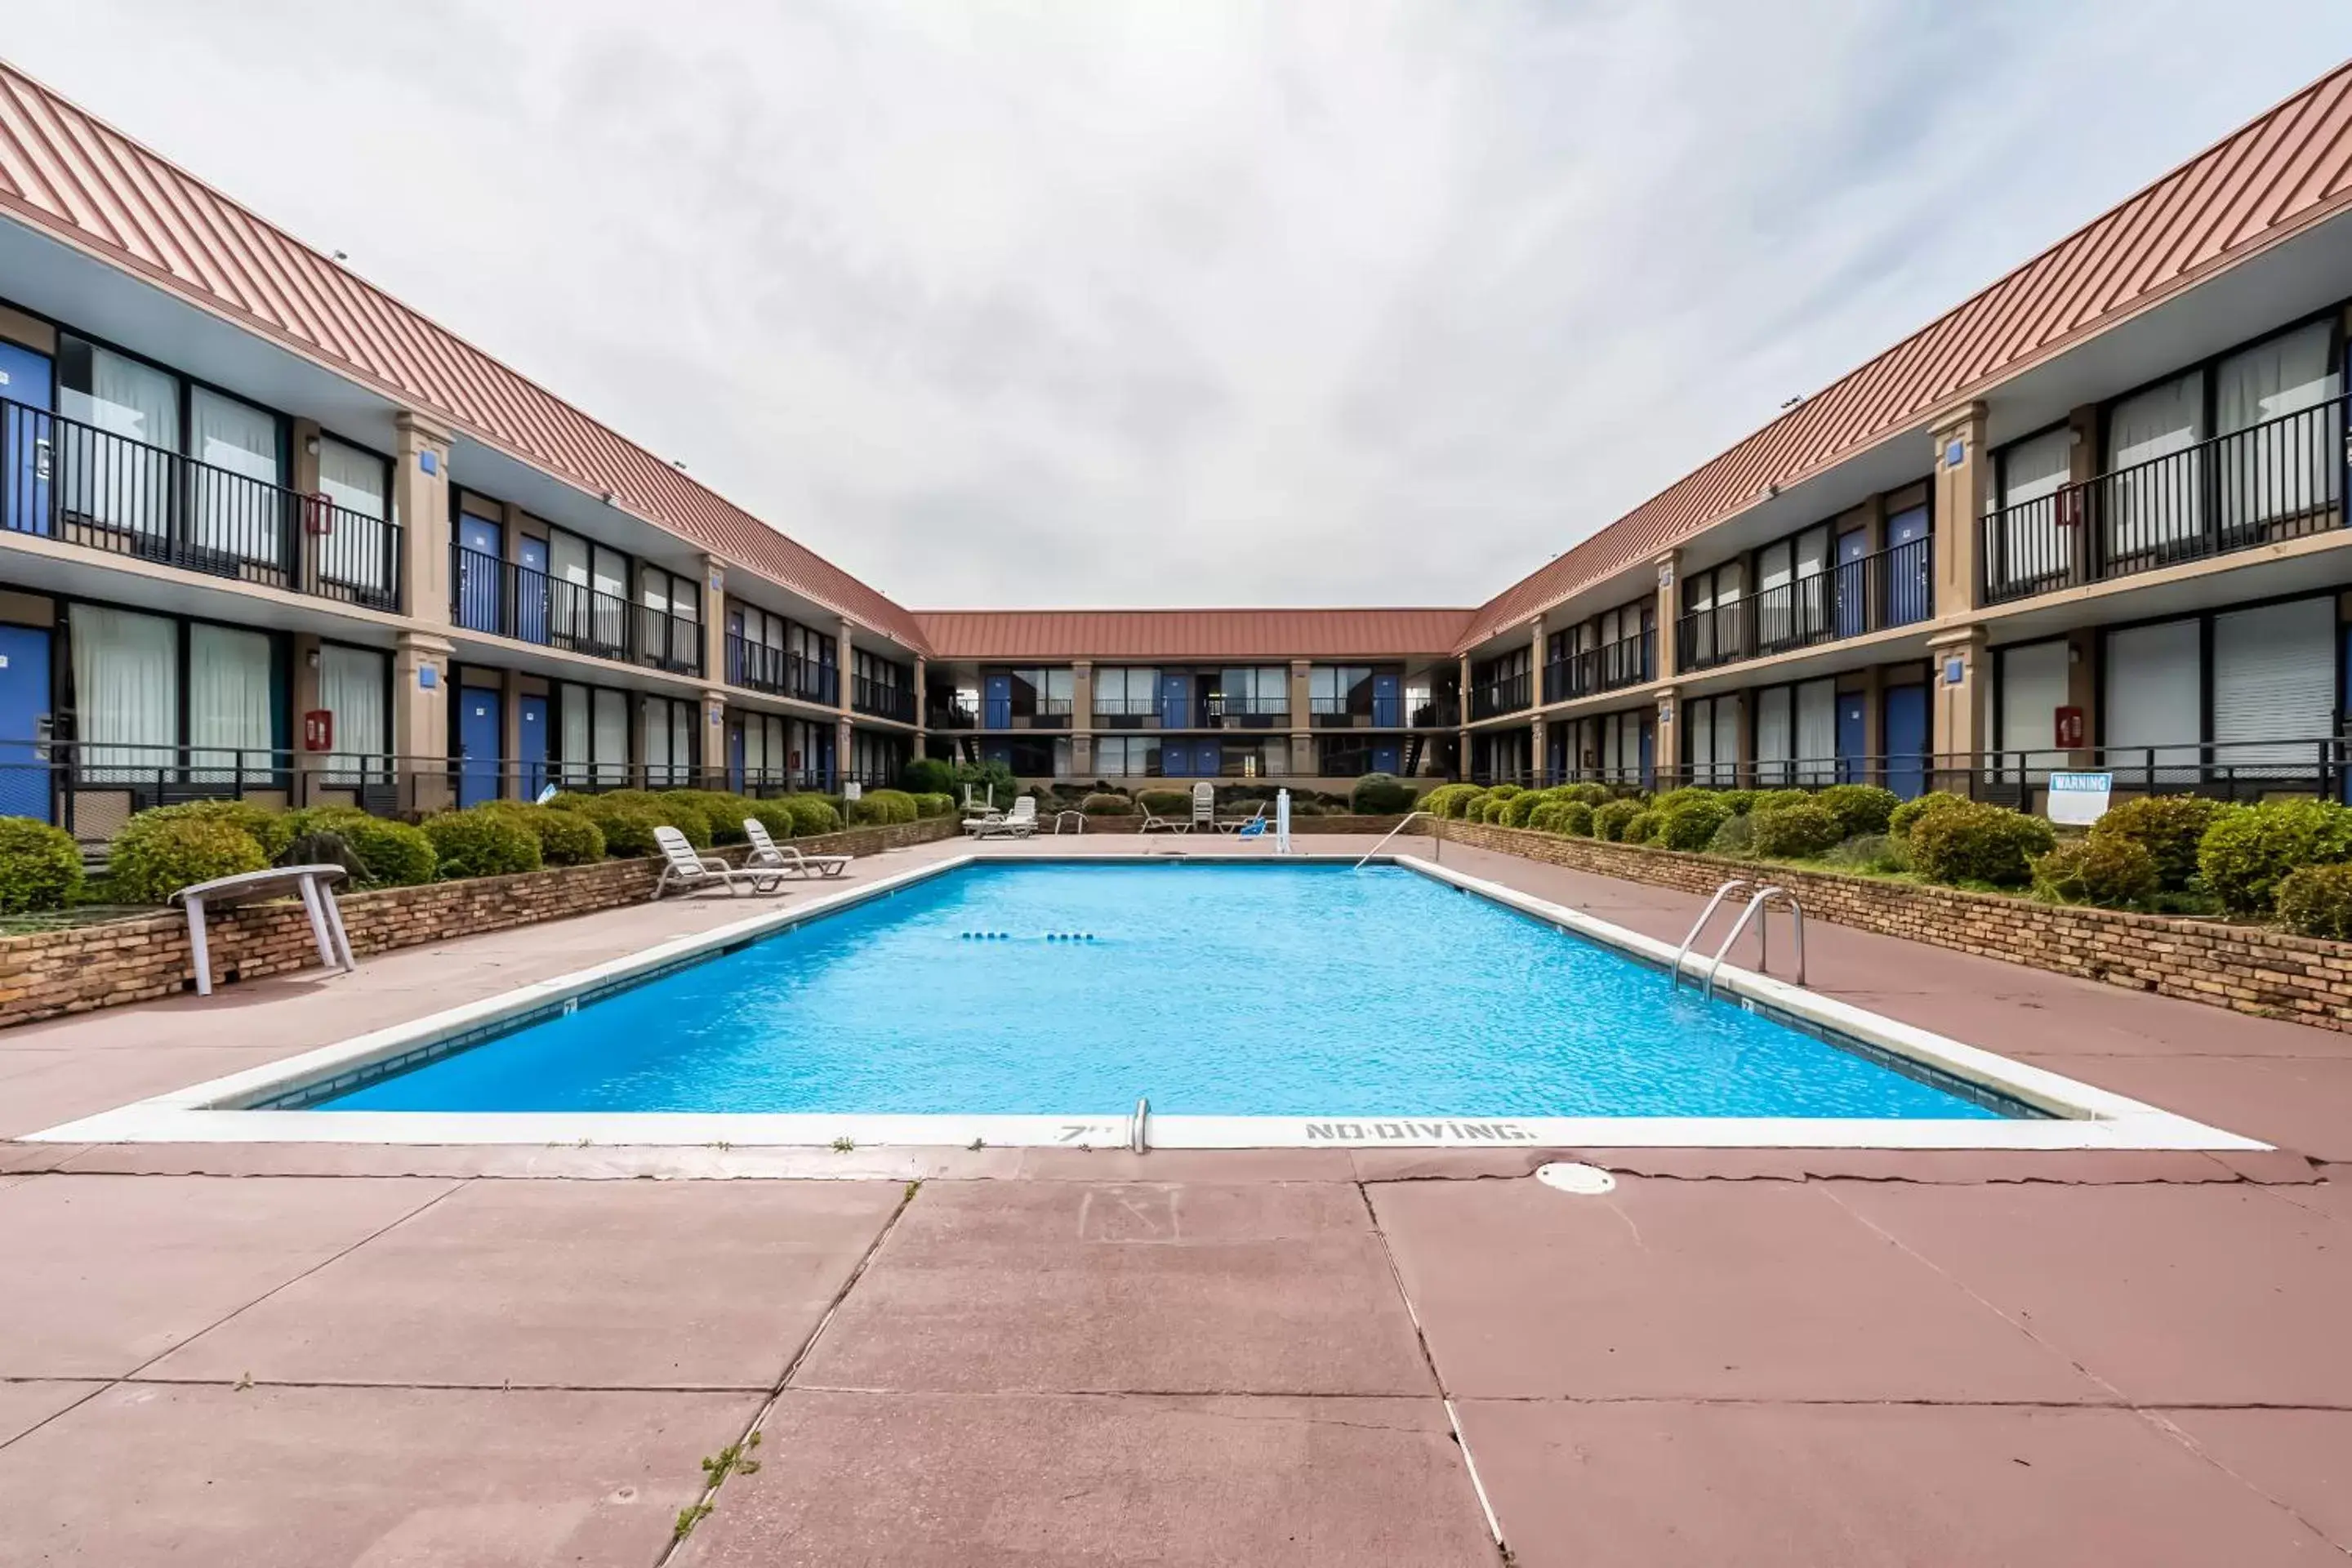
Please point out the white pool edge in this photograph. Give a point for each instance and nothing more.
(2082, 1116)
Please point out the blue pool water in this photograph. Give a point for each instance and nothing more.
(1215, 990)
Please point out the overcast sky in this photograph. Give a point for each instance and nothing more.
(1369, 301)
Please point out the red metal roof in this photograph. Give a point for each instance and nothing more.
(63, 170)
(2283, 172)
(1190, 634)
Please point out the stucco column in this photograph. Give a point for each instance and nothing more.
(1666, 736)
(1669, 567)
(420, 499)
(1463, 754)
(843, 752)
(716, 764)
(1537, 756)
(1302, 719)
(714, 620)
(306, 697)
(845, 682)
(1963, 488)
(922, 700)
(1960, 679)
(420, 714)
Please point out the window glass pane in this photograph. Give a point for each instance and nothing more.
(577, 750)
(354, 479)
(105, 479)
(611, 740)
(352, 686)
(119, 396)
(126, 673)
(236, 442)
(229, 702)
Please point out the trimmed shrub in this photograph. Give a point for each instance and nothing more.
(1735, 835)
(391, 854)
(684, 810)
(1642, 826)
(811, 814)
(1514, 812)
(273, 830)
(566, 837)
(1800, 831)
(1505, 792)
(1859, 808)
(2316, 900)
(482, 841)
(1974, 842)
(2248, 850)
(1447, 800)
(627, 825)
(1108, 806)
(2110, 872)
(1738, 802)
(883, 807)
(934, 803)
(2168, 826)
(157, 853)
(929, 775)
(1382, 794)
(1674, 797)
(1904, 818)
(1165, 802)
(1608, 820)
(1691, 823)
(40, 867)
(1574, 820)
(723, 809)
(1545, 817)
(1595, 796)
(1871, 852)
(1779, 799)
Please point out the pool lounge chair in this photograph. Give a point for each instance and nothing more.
(766, 852)
(1155, 823)
(683, 868)
(1256, 822)
(1018, 823)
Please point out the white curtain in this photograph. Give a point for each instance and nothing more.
(126, 671)
(1817, 733)
(2290, 468)
(2154, 706)
(352, 686)
(1774, 596)
(1727, 740)
(230, 704)
(657, 747)
(577, 750)
(682, 717)
(2155, 504)
(608, 611)
(113, 482)
(2034, 545)
(236, 442)
(2033, 687)
(567, 560)
(357, 483)
(1775, 737)
(611, 740)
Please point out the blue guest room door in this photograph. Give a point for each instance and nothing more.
(996, 703)
(23, 722)
(477, 573)
(531, 589)
(1907, 740)
(25, 437)
(1853, 583)
(532, 720)
(1387, 710)
(1175, 701)
(480, 725)
(1852, 732)
(1910, 597)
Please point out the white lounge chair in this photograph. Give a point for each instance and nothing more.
(683, 868)
(1204, 805)
(1254, 823)
(766, 852)
(1018, 823)
(1155, 823)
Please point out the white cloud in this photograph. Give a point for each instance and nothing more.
(1365, 301)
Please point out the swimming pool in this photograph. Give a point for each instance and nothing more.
(1213, 990)
(975, 1000)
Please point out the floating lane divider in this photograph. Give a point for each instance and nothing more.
(1010, 936)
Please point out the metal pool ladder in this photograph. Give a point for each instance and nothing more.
(1759, 904)
(1392, 833)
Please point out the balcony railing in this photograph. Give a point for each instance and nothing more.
(1490, 698)
(1248, 712)
(1893, 588)
(2282, 478)
(1612, 667)
(1364, 709)
(881, 700)
(945, 713)
(1032, 713)
(762, 667)
(509, 600)
(1126, 712)
(1437, 713)
(60, 478)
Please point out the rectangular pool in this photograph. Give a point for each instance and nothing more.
(1216, 990)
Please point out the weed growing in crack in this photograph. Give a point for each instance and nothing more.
(844, 1146)
(690, 1516)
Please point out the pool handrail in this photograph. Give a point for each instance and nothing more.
(1674, 976)
(1392, 833)
(1762, 902)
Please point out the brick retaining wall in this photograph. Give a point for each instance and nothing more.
(45, 974)
(2245, 968)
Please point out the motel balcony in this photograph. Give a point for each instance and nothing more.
(1870, 593)
(1612, 666)
(506, 599)
(91, 488)
(762, 667)
(881, 700)
(1491, 699)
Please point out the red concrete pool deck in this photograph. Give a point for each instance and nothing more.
(284, 1355)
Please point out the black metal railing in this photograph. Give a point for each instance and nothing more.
(1364, 709)
(762, 667)
(2282, 478)
(506, 599)
(881, 700)
(945, 713)
(1126, 712)
(1508, 695)
(1437, 713)
(1612, 667)
(1248, 712)
(63, 479)
(1027, 713)
(1892, 588)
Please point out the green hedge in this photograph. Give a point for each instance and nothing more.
(1514, 812)
(1690, 824)
(2112, 872)
(929, 775)
(1738, 802)
(2316, 900)
(40, 867)
(882, 809)
(1798, 831)
(1108, 806)
(1859, 808)
(1642, 826)
(2168, 826)
(1609, 820)
(482, 841)
(1447, 800)
(159, 852)
(1904, 817)
(1780, 799)
(1380, 794)
(626, 817)
(935, 803)
(272, 830)
(1974, 842)
(566, 837)
(392, 854)
(811, 814)
(1594, 795)
(2248, 850)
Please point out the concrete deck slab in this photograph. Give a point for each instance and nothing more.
(26, 1404)
(2300, 1458)
(106, 1273)
(565, 1284)
(991, 1286)
(989, 1481)
(2171, 1295)
(308, 1477)
(2304, 1103)
(2330, 1196)
(49, 1088)
(1671, 1290)
(1795, 1486)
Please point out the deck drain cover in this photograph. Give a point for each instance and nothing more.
(1585, 1181)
